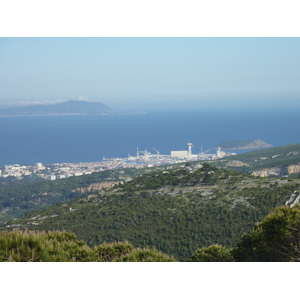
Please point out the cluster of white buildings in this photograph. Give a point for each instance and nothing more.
(15, 170)
(63, 170)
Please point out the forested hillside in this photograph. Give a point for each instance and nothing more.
(275, 239)
(176, 211)
(20, 196)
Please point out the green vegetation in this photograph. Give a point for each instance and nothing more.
(213, 253)
(18, 197)
(145, 255)
(276, 238)
(34, 246)
(175, 211)
(111, 251)
(267, 158)
(40, 246)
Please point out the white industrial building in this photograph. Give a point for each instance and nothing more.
(184, 154)
(179, 154)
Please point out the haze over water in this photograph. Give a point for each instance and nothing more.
(195, 90)
(58, 139)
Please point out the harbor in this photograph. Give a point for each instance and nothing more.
(147, 158)
(143, 159)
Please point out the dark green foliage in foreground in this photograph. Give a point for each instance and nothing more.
(33, 246)
(145, 255)
(37, 246)
(213, 253)
(175, 211)
(276, 238)
(111, 251)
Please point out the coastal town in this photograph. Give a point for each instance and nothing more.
(63, 170)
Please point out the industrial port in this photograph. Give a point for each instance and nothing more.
(143, 159)
(146, 157)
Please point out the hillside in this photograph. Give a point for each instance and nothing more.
(72, 107)
(176, 210)
(243, 145)
(276, 161)
(18, 197)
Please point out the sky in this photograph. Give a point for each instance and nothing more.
(140, 73)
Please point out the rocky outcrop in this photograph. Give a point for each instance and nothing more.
(294, 199)
(236, 163)
(277, 171)
(293, 169)
(97, 186)
(268, 172)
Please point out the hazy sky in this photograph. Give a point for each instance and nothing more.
(150, 71)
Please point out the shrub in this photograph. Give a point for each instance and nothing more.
(276, 238)
(107, 252)
(213, 253)
(37, 246)
(145, 255)
(57, 246)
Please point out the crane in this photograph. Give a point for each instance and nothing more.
(145, 152)
(156, 152)
(202, 153)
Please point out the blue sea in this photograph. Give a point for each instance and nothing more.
(59, 139)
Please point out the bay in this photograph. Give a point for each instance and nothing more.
(59, 139)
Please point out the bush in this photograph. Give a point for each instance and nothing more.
(107, 252)
(146, 255)
(276, 238)
(57, 246)
(213, 253)
(37, 246)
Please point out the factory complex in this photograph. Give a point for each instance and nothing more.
(146, 157)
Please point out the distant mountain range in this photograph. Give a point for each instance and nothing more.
(72, 107)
